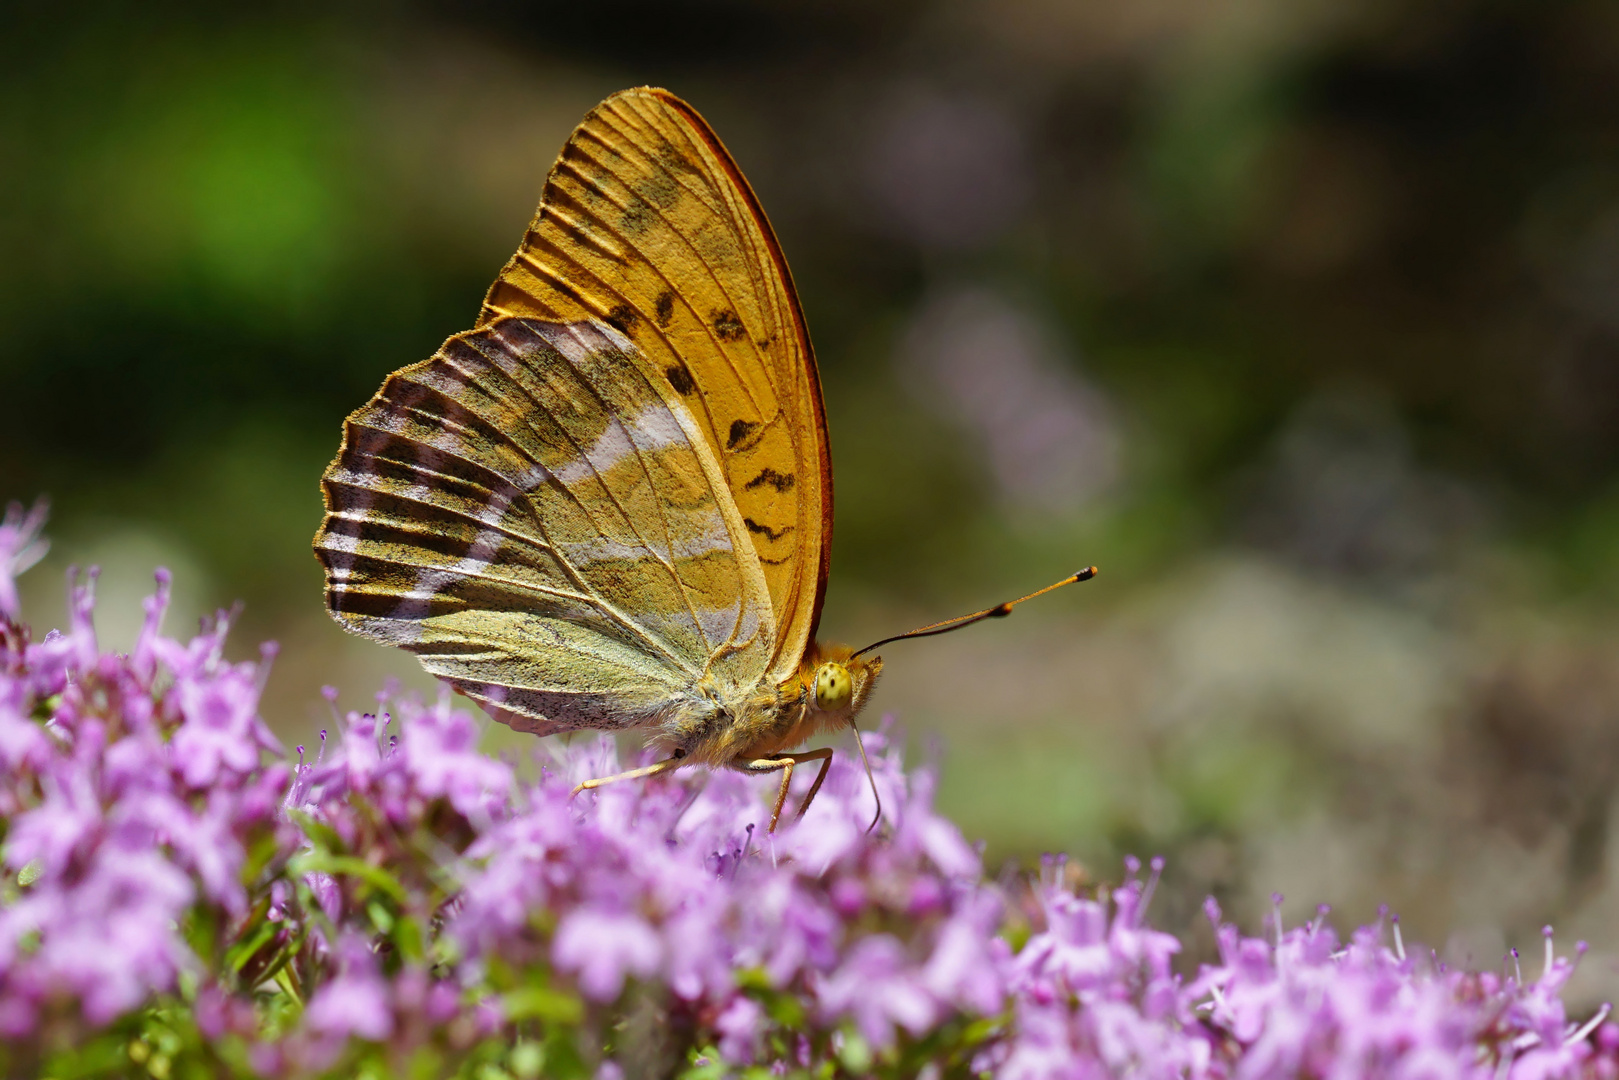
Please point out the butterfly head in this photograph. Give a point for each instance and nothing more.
(838, 684)
(834, 687)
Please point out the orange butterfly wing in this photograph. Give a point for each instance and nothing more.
(646, 224)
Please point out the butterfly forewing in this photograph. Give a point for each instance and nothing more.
(545, 527)
(647, 225)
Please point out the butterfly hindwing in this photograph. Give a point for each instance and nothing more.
(647, 225)
(546, 529)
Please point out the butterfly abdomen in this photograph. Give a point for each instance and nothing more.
(710, 725)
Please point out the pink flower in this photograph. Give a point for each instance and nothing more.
(21, 546)
(440, 747)
(738, 1027)
(110, 939)
(880, 989)
(153, 832)
(605, 947)
(220, 729)
(356, 1001)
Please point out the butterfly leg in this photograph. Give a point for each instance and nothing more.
(785, 763)
(663, 766)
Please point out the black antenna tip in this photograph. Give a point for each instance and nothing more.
(1085, 574)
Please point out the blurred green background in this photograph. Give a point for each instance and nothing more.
(1298, 317)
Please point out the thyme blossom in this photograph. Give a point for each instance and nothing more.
(181, 892)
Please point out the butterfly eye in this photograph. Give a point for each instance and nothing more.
(833, 688)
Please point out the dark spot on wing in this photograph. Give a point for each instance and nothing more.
(622, 318)
(770, 476)
(774, 562)
(740, 430)
(766, 530)
(659, 188)
(728, 326)
(664, 310)
(635, 218)
(680, 379)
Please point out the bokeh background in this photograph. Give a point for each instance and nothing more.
(1298, 317)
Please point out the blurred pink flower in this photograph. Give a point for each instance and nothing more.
(604, 947)
(21, 546)
(355, 1002)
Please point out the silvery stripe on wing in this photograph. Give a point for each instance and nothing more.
(491, 515)
(576, 341)
(419, 491)
(342, 548)
(720, 624)
(650, 430)
(532, 478)
(749, 626)
(416, 604)
(714, 539)
(655, 426)
(433, 449)
(334, 541)
(392, 631)
(435, 440)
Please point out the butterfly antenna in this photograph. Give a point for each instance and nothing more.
(998, 611)
(866, 761)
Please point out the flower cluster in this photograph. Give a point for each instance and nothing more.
(181, 898)
(135, 793)
(1096, 995)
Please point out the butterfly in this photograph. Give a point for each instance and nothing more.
(609, 505)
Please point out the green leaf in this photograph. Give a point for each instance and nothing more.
(407, 936)
(543, 1003)
(527, 1060)
(283, 979)
(260, 853)
(45, 708)
(562, 1059)
(321, 834)
(855, 1054)
(288, 950)
(753, 978)
(710, 1069)
(104, 1055)
(245, 947)
(982, 1030)
(381, 917)
(320, 862)
(786, 1010)
(427, 1063)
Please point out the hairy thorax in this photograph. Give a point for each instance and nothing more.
(709, 726)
